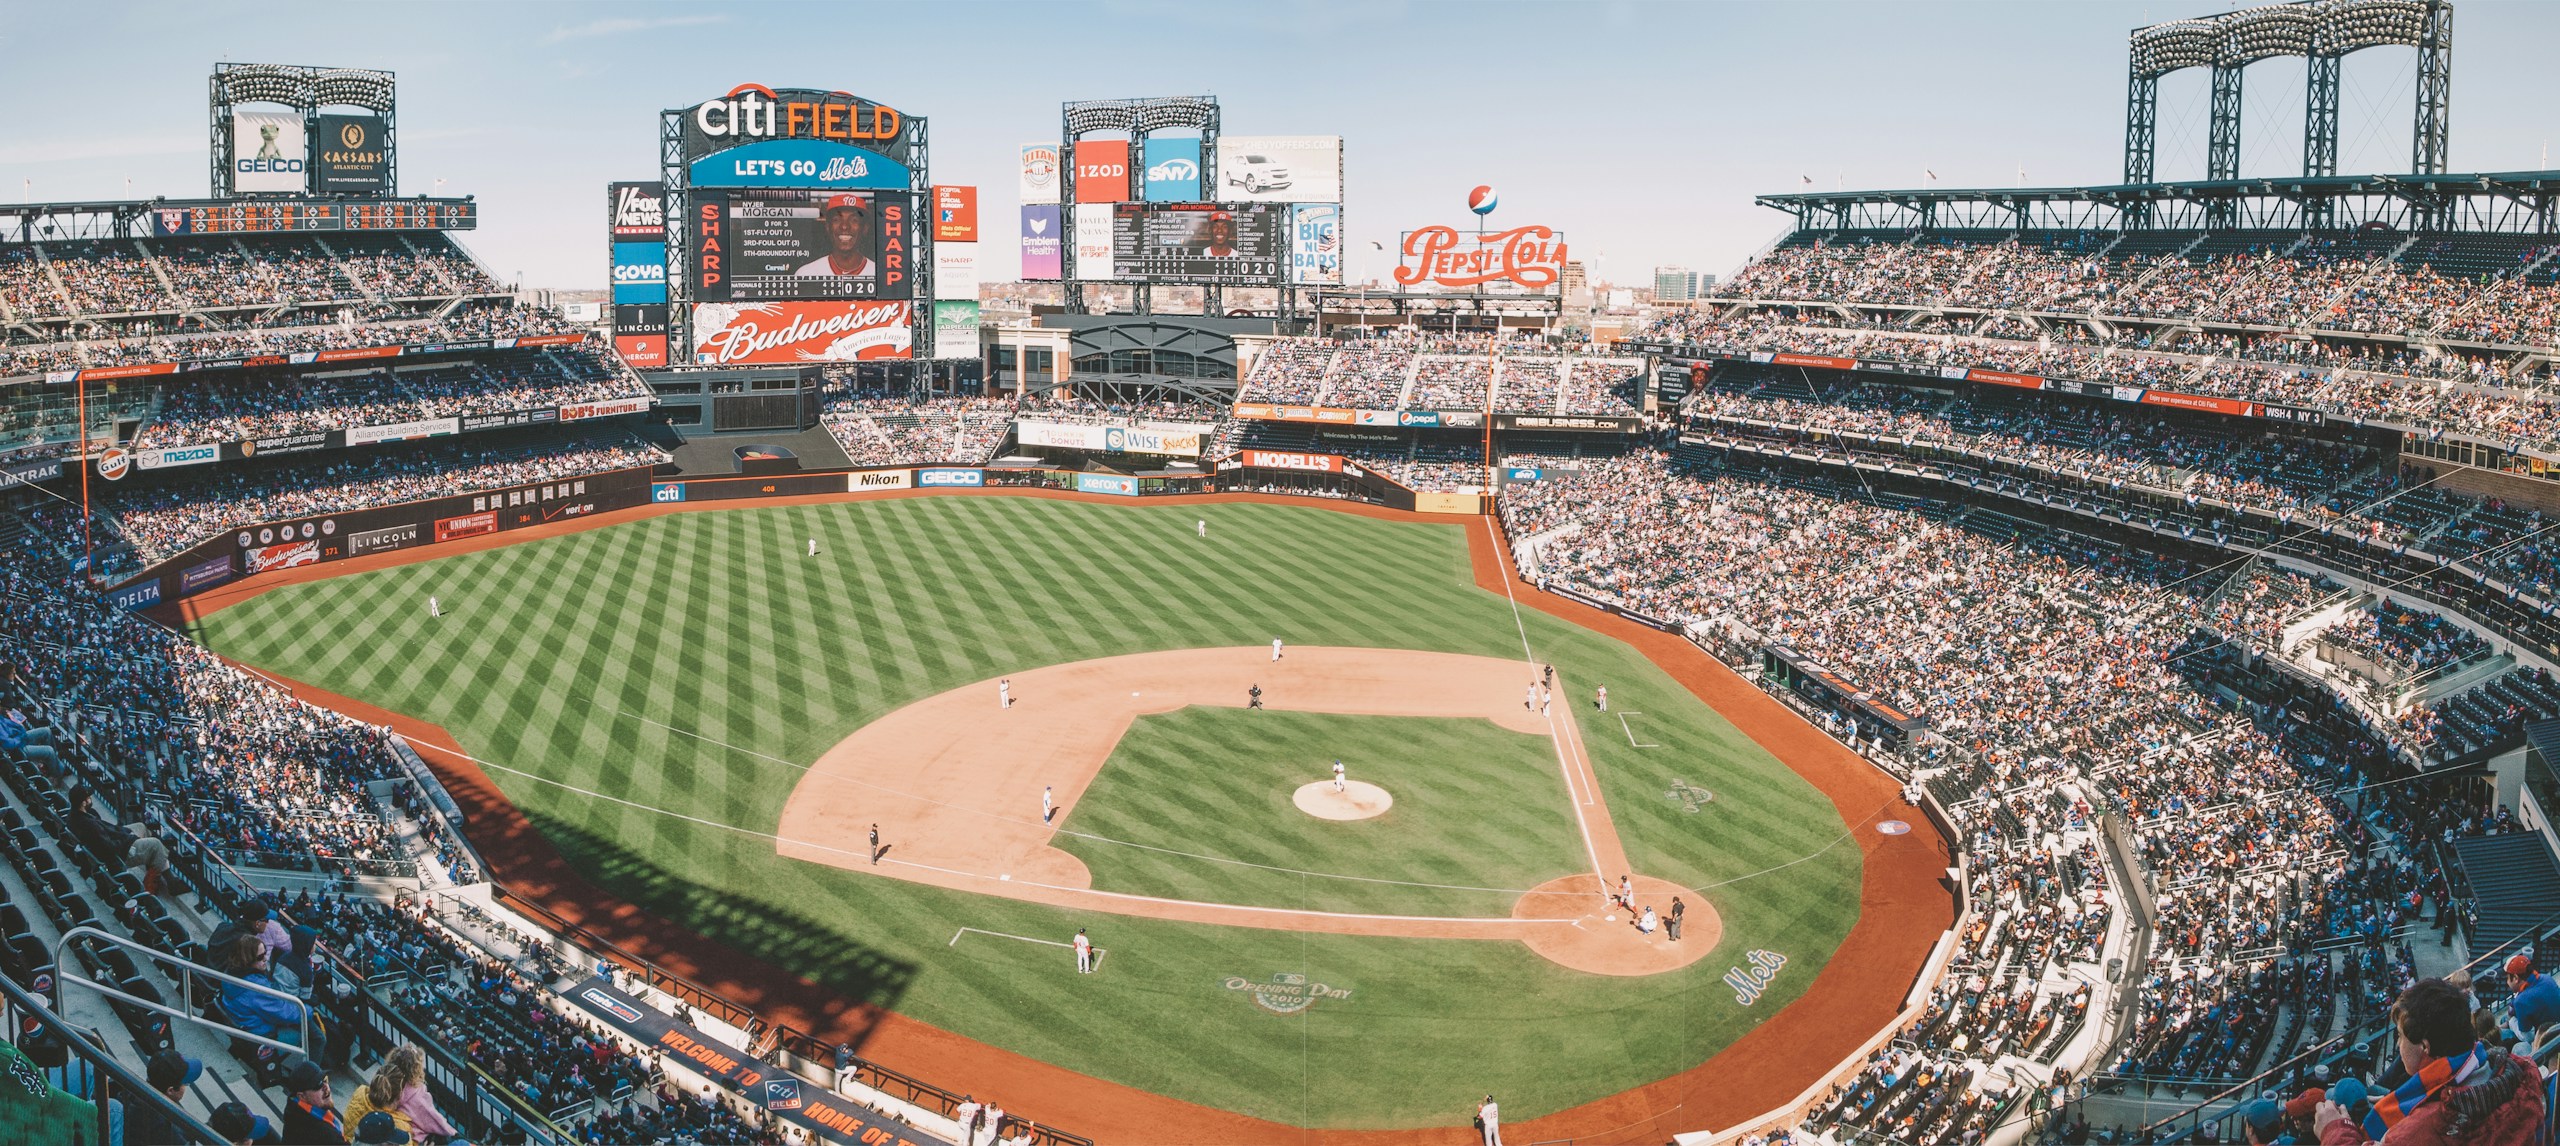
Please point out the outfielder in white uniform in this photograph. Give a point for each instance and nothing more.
(435, 608)
(1337, 777)
(1084, 953)
(1204, 527)
(1275, 648)
(813, 547)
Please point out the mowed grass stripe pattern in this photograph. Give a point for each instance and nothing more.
(1476, 807)
(568, 658)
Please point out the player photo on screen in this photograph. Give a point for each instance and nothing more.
(1214, 235)
(852, 239)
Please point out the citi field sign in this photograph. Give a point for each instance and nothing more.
(754, 113)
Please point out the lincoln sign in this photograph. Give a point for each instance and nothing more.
(1529, 258)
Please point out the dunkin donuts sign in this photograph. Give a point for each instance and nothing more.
(790, 333)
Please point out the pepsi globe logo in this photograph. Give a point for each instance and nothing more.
(1483, 200)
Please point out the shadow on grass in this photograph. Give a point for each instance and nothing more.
(786, 967)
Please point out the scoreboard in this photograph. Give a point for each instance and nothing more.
(251, 216)
(1199, 242)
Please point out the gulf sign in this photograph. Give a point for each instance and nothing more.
(1529, 258)
(753, 113)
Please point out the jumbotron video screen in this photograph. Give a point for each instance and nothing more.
(771, 245)
(1199, 242)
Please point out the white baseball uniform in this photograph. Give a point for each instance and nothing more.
(1048, 803)
(813, 547)
(435, 608)
(1337, 776)
(1204, 527)
(1275, 648)
(1004, 693)
(1491, 1115)
(1084, 954)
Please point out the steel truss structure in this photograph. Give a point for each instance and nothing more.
(306, 90)
(675, 179)
(1138, 118)
(2518, 202)
(2324, 32)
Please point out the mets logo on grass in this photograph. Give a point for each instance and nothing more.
(1285, 994)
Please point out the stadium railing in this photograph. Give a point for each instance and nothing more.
(86, 1069)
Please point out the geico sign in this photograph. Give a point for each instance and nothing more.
(753, 111)
(1531, 257)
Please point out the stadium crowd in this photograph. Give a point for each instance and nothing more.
(230, 408)
(1403, 369)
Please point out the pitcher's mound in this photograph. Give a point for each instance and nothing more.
(1357, 801)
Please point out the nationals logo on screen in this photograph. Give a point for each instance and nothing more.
(773, 333)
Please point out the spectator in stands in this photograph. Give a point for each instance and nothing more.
(171, 1074)
(311, 1118)
(258, 1012)
(399, 1090)
(2535, 1002)
(380, 1129)
(2459, 1092)
(238, 1127)
(152, 856)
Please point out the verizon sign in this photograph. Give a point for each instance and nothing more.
(1529, 258)
(777, 333)
(1279, 460)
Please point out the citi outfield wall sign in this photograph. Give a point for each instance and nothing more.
(1531, 258)
(754, 113)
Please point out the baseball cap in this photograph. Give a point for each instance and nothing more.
(305, 1075)
(2304, 1103)
(2348, 1092)
(2520, 965)
(169, 1068)
(232, 1121)
(379, 1127)
(844, 203)
(2265, 1117)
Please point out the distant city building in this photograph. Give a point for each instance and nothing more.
(1675, 284)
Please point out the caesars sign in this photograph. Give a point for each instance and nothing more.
(1527, 258)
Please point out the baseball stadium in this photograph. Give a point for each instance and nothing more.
(2000, 666)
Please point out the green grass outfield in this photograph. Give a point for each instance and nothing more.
(1477, 807)
(555, 656)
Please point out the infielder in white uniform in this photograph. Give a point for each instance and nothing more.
(1337, 777)
(1084, 953)
(1048, 803)
(1491, 1116)
(1275, 648)
(1004, 693)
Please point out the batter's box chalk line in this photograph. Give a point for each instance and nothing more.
(1631, 732)
(1098, 952)
(1689, 796)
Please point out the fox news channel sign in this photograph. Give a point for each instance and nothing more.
(639, 274)
(637, 210)
(269, 152)
(753, 113)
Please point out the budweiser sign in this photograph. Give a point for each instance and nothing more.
(1531, 258)
(776, 333)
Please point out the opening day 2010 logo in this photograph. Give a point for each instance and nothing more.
(1285, 993)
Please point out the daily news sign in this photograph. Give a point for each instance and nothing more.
(1528, 258)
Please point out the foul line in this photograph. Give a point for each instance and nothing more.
(1502, 568)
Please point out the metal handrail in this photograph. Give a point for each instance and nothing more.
(117, 1081)
(185, 974)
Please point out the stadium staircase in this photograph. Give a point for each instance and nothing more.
(2514, 883)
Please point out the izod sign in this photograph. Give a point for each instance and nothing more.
(1531, 258)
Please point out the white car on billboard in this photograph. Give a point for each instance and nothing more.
(1257, 173)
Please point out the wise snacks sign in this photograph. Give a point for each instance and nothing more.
(1529, 258)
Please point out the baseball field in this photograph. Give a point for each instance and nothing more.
(704, 719)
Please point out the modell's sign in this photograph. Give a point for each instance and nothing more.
(1279, 460)
(752, 113)
(777, 333)
(1531, 258)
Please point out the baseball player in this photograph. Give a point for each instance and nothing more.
(1275, 649)
(966, 1114)
(1004, 693)
(1204, 527)
(1337, 777)
(813, 547)
(1048, 803)
(1646, 922)
(1601, 699)
(875, 844)
(1546, 696)
(1084, 953)
(1489, 1118)
(993, 1124)
(1627, 891)
(1253, 697)
(435, 608)
(1529, 698)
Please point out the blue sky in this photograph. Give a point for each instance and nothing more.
(1640, 130)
